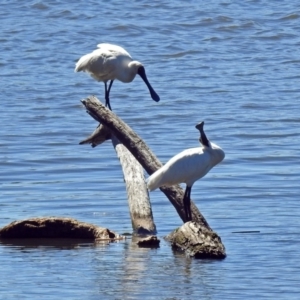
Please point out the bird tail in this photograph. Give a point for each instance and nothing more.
(154, 181)
(83, 63)
(79, 66)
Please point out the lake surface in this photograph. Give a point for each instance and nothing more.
(233, 64)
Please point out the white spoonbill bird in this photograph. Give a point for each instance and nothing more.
(187, 167)
(110, 62)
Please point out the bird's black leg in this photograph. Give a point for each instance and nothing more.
(187, 203)
(184, 201)
(107, 90)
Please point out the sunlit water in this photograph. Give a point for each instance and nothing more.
(234, 65)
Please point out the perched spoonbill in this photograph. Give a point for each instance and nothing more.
(110, 62)
(187, 167)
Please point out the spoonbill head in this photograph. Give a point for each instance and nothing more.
(110, 62)
(187, 167)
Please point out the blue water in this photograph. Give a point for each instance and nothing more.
(233, 64)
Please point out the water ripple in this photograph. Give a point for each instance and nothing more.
(234, 65)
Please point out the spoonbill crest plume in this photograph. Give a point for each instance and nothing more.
(110, 62)
(187, 167)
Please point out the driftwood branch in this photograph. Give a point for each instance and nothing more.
(138, 197)
(137, 193)
(196, 238)
(99, 136)
(141, 152)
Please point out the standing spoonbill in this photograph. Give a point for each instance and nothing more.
(110, 62)
(187, 167)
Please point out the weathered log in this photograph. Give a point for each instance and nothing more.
(197, 241)
(141, 152)
(55, 227)
(137, 194)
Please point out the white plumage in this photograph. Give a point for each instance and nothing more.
(110, 62)
(187, 167)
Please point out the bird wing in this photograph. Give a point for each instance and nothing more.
(185, 167)
(108, 62)
(188, 166)
(113, 49)
(100, 64)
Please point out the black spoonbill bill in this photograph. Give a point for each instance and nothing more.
(110, 62)
(187, 167)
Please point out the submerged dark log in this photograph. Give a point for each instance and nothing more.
(197, 241)
(148, 242)
(54, 227)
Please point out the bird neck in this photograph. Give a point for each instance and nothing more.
(216, 152)
(131, 70)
